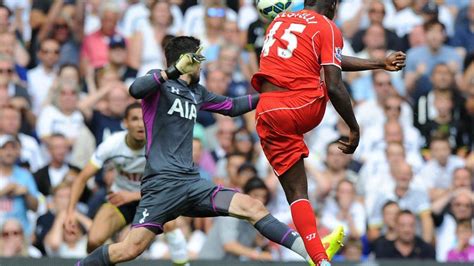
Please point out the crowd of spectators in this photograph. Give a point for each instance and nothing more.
(407, 192)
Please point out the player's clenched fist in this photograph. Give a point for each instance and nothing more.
(350, 146)
(187, 63)
(395, 61)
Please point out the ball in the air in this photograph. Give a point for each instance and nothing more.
(269, 9)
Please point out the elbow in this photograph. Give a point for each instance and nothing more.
(133, 91)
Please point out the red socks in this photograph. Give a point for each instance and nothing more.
(305, 223)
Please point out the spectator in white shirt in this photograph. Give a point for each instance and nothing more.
(138, 11)
(63, 115)
(460, 208)
(336, 170)
(65, 244)
(10, 121)
(370, 112)
(343, 209)
(410, 198)
(438, 171)
(40, 78)
(375, 139)
(194, 18)
(13, 242)
(403, 19)
(146, 45)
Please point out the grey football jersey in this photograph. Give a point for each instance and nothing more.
(169, 113)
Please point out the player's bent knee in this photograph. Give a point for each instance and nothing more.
(93, 243)
(169, 226)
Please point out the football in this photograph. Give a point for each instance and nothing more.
(269, 9)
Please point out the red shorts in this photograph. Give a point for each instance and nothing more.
(282, 118)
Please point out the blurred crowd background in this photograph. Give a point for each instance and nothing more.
(407, 192)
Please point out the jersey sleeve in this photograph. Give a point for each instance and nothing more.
(228, 106)
(146, 86)
(331, 44)
(102, 153)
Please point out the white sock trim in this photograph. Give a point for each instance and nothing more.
(298, 201)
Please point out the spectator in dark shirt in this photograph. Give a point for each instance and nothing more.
(58, 170)
(464, 31)
(118, 59)
(388, 232)
(58, 204)
(376, 16)
(407, 245)
(442, 79)
(106, 120)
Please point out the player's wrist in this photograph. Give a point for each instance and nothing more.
(172, 72)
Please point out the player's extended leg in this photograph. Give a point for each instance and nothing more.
(107, 221)
(137, 241)
(295, 185)
(245, 207)
(176, 242)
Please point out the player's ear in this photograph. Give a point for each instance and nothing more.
(125, 122)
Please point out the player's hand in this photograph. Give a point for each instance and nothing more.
(350, 146)
(395, 61)
(120, 198)
(13, 189)
(70, 222)
(187, 63)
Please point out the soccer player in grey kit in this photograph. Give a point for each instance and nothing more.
(171, 185)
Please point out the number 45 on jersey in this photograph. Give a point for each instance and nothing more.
(288, 35)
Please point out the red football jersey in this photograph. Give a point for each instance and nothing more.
(296, 45)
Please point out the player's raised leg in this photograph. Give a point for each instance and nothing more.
(295, 185)
(107, 221)
(137, 240)
(244, 207)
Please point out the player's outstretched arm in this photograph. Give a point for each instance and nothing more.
(342, 103)
(393, 62)
(229, 106)
(76, 191)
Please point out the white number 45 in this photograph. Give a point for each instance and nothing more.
(287, 36)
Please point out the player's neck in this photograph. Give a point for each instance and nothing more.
(133, 143)
(186, 78)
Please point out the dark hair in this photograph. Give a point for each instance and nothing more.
(247, 166)
(431, 23)
(2, 6)
(321, 3)
(65, 65)
(408, 212)
(58, 135)
(233, 154)
(48, 40)
(439, 135)
(256, 183)
(464, 222)
(130, 107)
(178, 46)
(440, 65)
(388, 203)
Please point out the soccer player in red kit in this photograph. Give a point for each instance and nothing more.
(297, 47)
